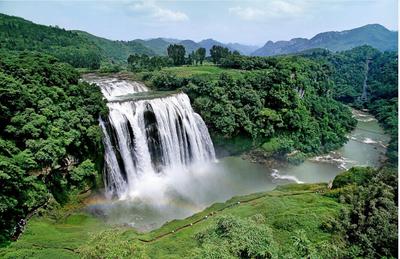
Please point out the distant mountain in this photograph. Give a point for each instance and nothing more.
(208, 43)
(374, 35)
(158, 46)
(243, 49)
(171, 40)
(189, 45)
(117, 51)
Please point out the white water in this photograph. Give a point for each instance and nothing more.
(277, 176)
(147, 140)
(114, 87)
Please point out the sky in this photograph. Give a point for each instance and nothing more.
(252, 22)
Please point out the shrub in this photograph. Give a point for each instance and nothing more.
(355, 175)
(111, 244)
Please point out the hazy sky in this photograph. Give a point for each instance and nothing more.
(251, 22)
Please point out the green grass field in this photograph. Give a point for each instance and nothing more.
(286, 209)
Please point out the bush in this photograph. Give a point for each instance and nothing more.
(234, 237)
(165, 81)
(355, 175)
(111, 244)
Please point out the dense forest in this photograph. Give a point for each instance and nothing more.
(287, 106)
(48, 122)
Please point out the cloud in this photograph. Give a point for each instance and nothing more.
(161, 14)
(269, 10)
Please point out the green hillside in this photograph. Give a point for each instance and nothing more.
(19, 34)
(77, 48)
(117, 51)
(158, 46)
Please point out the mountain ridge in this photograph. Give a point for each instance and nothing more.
(374, 35)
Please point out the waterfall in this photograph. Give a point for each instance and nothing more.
(152, 136)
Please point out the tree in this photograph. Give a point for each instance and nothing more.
(177, 54)
(201, 55)
(218, 52)
(191, 57)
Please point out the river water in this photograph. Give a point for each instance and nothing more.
(366, 147)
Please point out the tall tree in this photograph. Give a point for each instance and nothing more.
(177, 53)
(218, 52)
(200, 55)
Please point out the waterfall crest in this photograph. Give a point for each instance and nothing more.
(145, 137)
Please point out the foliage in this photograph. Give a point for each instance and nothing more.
(349, 71)
(200, 55)
(143, 62)
(68, 46)
(177, 54)
(218, 52)
(86, 170)
(304, 248)
(116, 51)
(236, 238)
(48, 123)
(290, 100)
(109, 244)
(355, 175)
(167, 81)
(370, 224)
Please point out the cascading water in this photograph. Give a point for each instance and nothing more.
(147, 137)
(158, 159)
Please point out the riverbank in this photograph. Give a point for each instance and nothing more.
(366, 146)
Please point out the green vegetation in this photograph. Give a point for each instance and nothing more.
(290, 100)
(276, 216)
(48, 125)
(369, 225)
(117, 51)
(177, 54)
(176, 57)
(138, 62)
(351, 68)
(217, 53)
(80, 49)
(293, 221)
(19, 34)
(355, 175)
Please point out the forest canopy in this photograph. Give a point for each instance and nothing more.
(48, 121)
